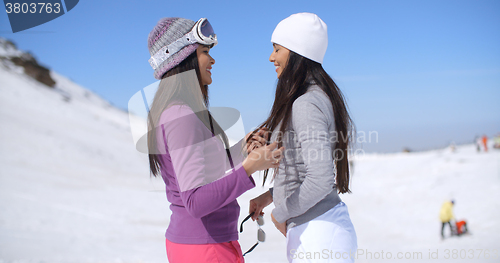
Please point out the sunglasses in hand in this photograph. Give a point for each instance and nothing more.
(261, 235)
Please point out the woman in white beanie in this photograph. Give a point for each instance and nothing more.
(315, 166)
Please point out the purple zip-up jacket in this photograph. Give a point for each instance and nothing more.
(202, 195)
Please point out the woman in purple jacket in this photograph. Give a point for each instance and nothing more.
(190, 150)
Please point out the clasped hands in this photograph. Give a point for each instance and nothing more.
(256, 140)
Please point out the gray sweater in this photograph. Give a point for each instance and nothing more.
(305, 186)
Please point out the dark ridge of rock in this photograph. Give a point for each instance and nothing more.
(34, 70)
(30, 65)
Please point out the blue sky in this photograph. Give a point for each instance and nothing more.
(419, 73)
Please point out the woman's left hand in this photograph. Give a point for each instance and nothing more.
(280, 226)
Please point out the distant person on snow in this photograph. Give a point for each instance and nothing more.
(477, 141)
(496, 140)
(485, 142)
(446, 215)
(453, 147)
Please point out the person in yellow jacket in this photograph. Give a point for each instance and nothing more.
(446, 215)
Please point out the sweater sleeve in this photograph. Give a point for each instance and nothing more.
(208, 198)
(199, 192)
(311, 127)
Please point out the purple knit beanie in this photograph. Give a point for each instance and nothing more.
(166, 31)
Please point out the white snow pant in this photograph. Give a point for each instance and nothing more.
(328, 238)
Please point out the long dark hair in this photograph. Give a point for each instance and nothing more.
(168, 95)
(298, 74)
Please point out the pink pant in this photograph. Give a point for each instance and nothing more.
(228, 252)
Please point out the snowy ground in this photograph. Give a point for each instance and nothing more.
(74, 189)
(395, 204)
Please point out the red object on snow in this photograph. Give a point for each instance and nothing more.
(460, 227)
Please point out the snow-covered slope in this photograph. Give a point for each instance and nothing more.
(74, 189)
(72, 186)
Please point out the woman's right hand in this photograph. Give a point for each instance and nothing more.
(258, 203)
(257, 140)
(263, 158)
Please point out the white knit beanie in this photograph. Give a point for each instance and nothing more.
(303, 33)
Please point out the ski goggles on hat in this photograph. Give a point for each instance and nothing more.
(202, 33)
(261, 235)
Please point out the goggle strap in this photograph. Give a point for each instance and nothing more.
(167, 51)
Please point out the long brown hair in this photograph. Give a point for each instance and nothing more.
(298, 74)
(169, 94)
